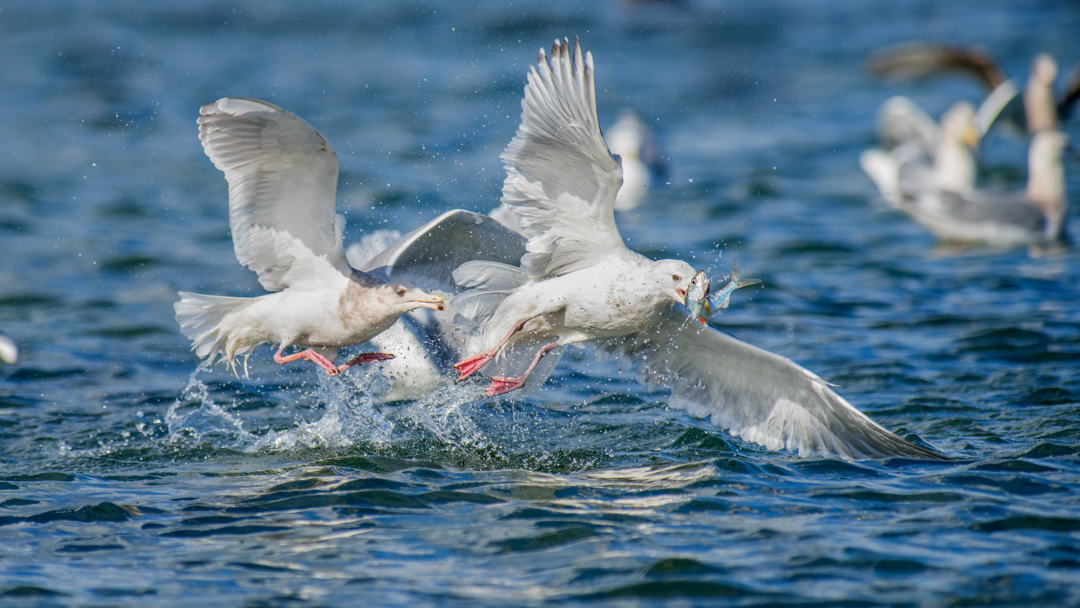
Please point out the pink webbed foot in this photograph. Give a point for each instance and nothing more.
(310, 355)
(364, 358)
(470, 366)
(501, 385)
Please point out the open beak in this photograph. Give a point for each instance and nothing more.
(433, 302)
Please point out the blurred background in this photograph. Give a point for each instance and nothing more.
(122, 474)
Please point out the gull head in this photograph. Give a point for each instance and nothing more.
(403, 297)
(1045, 69)
(958, 125)
(672, 279)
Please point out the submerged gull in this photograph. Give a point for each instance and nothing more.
(579, 282)
(282, 178)
(427, 343)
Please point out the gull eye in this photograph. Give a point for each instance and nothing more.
(401, 292)
(675, 278)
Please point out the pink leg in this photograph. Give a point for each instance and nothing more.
(365, 358)
(501, 385)
(469, 366)
(310, 355)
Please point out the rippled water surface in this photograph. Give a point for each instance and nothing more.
(127, 477)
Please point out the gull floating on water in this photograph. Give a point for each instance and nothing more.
(1033, 216)
(580, 283)
(919, 155)
(282, 178)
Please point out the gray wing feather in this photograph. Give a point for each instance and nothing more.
(429, 255)
(755, 394)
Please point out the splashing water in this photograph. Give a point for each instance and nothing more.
(207, 422)
(441, 414)
(350, 417)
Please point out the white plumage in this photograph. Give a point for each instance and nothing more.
(580, 283)
(282, 178)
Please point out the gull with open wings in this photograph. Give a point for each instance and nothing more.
(282, 176)
(580, 283)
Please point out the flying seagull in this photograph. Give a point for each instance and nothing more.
(580, 283)
(282, 178)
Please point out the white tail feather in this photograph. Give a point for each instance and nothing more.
(200, 318)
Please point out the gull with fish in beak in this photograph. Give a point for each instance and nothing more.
(699, 300)
(580, 283)
(282, 176)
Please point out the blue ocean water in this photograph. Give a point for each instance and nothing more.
(130, 477)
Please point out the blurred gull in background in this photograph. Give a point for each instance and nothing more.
(1033, 216)
(640, 155)
(1040, 107)
(919, 154)
(579, 282)
(929, 172)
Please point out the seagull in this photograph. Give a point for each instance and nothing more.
(1033, 216)
(921, 155)
(1041, 108)
(580, 283)
(639, 154)
(282, 177)
(427, 343)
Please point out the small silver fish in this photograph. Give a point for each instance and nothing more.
(722, 297)
(697, 297)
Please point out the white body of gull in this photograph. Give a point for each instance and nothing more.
(282, 177)
(1033, 216)
(579, 283)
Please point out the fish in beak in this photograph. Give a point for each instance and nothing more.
(697, 297)
(701, 301)
(723, 297)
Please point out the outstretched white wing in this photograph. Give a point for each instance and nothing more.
(753, 393)
(561, 180)
(282, 178)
